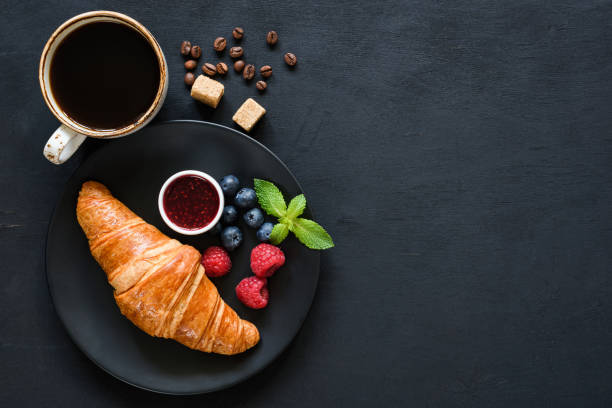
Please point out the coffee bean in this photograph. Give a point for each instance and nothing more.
(222, 68)
(239, 65)
(249, 72)
(261, 85)
(185, 48)
(196, 51)
(290, 59)
(190, 65)
(189, 78)
(265, 71)
(219, 44)
(236, 52)
(272, 38)
(238, 33)
(209, 69)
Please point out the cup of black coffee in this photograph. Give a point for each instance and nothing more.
(103, 75)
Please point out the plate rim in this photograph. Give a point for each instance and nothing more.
(121, 378)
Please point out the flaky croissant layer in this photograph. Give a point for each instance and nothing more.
(159, 283)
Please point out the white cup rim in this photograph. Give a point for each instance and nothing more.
(173, 226)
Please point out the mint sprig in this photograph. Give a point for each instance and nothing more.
(279, 233)
(270, 198)
(311, 234)
(296, 207)
(307, 231)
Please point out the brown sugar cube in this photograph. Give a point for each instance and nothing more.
(248, 114)
(207, 91)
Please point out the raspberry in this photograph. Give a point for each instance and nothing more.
(266, 259)
(253, 292)
(216, 262)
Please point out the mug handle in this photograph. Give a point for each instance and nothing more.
(62, 144)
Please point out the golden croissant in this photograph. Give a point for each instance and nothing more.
(159, 283)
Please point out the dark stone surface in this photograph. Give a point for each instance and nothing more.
(458, 152)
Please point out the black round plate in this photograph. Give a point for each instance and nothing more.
(134, 168)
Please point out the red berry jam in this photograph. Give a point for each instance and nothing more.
(191, 202)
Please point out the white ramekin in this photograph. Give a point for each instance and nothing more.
(160, 202)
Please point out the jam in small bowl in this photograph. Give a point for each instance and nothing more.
(191, 202)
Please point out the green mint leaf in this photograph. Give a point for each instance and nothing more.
(279, 233)
(311, 234)
(296, 207)
(270, 198)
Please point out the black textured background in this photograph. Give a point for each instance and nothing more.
(458, 152)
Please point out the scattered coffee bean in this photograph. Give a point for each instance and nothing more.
(236, 52)
(272, 38)
(219, 44)
(189, 78)
(222, 68)
(261, 85)
(185, 48)
(265, 71)
(290, 59)
(249, 72)
(190, 65)
(209, 69)
(238, 33)
(196, 51)
(239, 65)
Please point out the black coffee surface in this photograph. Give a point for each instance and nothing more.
(104, 75)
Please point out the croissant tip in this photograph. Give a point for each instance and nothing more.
(93, 186)
(251, 334)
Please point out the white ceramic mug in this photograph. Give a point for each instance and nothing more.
(71, 134)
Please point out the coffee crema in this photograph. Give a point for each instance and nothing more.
(105, 75)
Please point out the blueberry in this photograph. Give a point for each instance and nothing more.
(216, 230)
(254, 218)
(231, 238)
(246, 198)
(230, 214)
(229, 185)
(263, 233)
